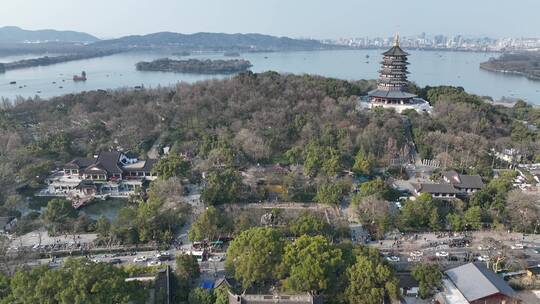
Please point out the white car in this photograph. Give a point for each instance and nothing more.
(215, 258)
(483, 258)
(153, 263)
(441, 254)
(141, 259)
(517, 246)
(417, 254)
(393, 258)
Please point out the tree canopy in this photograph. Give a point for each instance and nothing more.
(371, 281)
(429, 277)
(209, 225)
(77, 281)
(223, 186)
(311, 264)
(253, 256)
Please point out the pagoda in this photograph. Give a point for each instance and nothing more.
(392, 85)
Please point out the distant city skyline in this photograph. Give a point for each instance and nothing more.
(300, 19)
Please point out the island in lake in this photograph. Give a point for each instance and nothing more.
(525, 64)
(46, 60)
(196, 66)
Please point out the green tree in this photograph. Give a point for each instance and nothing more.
(434, 220)
(253, 256)
(375, 187)
(473, 217)
(417, 215)
(311, 264)
(173, 165)
(223, 186)
(222, 295)
(187, 267)
(201, 296)
(77, 281)
(103, 227)
(58, 215)
(364, 164)
(371, 281)
(429, 278)
(209, 225)
(328, 193)
(455, 221)
(308, 224)
(5, 288)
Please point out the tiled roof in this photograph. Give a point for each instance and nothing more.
(109, 161)
(476, 282)
(79, 163)
(390, 94)
(437, 188)
(464, 181)
(395, 51)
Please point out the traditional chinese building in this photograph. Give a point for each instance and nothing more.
(109, 173)
(391, 91)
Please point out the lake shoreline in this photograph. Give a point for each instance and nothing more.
(118, 71)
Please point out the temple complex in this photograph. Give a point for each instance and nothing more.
(391, 91)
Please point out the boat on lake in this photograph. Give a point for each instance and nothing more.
(81, 77)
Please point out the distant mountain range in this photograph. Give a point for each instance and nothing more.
(14, 40)
(212, 41)
(13, 34)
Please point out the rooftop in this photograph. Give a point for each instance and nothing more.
(390, 94)
(395, 51)
(476, 282)
(463, 181)
(436, 188)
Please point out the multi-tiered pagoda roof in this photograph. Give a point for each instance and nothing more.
(392, 83)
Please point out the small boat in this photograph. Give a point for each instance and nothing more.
(12, 82)
(60, 87)
(54, 82)
(39, 92)
(81, 77)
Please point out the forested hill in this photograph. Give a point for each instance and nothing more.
(13, 34)
(213, 41)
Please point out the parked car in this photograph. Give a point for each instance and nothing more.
(115, 261)
(483, 258)
(441, 254)
(393, 258)
(140, 259)
(517, 246)
(453, 258)
(164, 256)
(416, 253)
(215, 258)
(153, 263)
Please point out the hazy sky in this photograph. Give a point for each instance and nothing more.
(295, 18)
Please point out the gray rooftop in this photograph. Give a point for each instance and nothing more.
(476, 282)
(464, 181)
(395, 51)
(390, 94)
(437, 188)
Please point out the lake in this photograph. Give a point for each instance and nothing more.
(117, 71)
